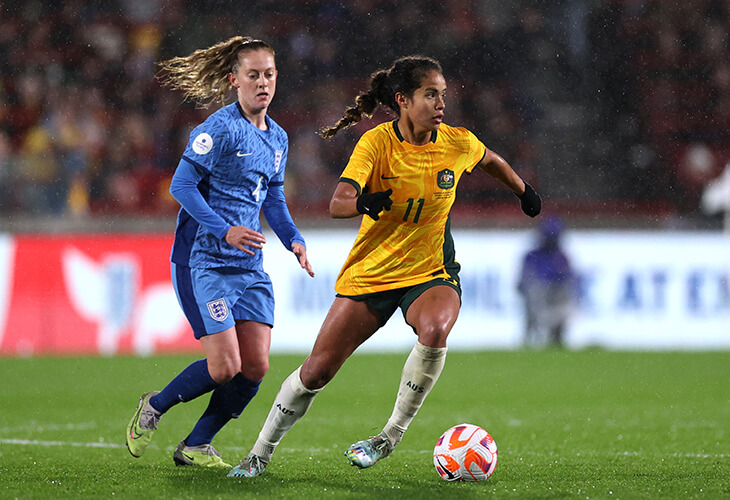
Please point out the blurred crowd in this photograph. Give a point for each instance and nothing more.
(85, 127)
(664, 70)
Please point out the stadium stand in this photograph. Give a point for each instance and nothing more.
(611, 108)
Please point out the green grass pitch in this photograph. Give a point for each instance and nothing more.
(587, 424)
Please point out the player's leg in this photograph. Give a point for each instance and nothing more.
(194, 381)
(347, 325)
(432, 315)
(213, 326)
(253, 310)
(230, 399)
(198, 378)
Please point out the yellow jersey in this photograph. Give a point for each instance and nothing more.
(411, 243)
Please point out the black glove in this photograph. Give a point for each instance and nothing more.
(530, 201)
(373, 203)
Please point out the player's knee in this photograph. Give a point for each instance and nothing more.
(223, 371)
(433, 333)
(316, 375)
(255, 370)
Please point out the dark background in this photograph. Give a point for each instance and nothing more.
(617, 111)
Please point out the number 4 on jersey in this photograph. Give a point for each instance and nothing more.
(257, 192)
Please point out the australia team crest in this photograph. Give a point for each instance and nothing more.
(445, 179)
(218, 309)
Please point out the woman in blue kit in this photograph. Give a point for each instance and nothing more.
(232, 168)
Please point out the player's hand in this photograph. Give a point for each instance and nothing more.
(242, 237)
(530, 201)
(373, 203)
(301, 254)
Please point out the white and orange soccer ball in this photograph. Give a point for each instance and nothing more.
(465, 452)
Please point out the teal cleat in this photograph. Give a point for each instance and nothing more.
(364, 454)
(251, 466)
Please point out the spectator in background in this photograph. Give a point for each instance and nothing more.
(7, 174)
(716, 197)
(547, 286)
(652, 79)
(104, 53)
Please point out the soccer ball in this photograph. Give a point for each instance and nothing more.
(465, 452)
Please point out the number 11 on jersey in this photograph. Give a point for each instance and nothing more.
(420, 203)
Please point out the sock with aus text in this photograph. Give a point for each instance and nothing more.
(290, 404)
(420, 373)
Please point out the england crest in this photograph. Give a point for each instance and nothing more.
(218, 309)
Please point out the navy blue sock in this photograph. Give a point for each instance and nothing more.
(226, 402)
(193, 381)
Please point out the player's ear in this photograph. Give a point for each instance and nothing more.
(233, 79)
(400, 99)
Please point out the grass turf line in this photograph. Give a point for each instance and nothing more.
(589, 424)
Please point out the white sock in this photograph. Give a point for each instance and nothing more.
(290, 404)
(420, 373)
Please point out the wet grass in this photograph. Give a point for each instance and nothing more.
(590, 424)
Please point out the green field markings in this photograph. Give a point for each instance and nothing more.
(297, 451)
(587, 424)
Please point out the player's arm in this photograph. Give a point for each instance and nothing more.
(348, 201)
(343, 204)
(184, 188)
(351, 197)
(279, 218)
(497, 167)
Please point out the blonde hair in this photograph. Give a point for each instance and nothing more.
(203, 75)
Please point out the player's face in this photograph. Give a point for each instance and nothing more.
(255, 80)
(426, 108)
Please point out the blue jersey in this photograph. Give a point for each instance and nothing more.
(238, 169)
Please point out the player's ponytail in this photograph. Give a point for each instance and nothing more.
(404, 76)
(203, 75)
(365, 105)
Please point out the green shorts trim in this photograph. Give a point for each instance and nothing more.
(385, 303)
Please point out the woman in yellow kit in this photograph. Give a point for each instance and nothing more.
(403, 176)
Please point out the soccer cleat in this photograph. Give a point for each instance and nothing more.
(201, 456)
(142, 426)
(366, 453)
(251, 466)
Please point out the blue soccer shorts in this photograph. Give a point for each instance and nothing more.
(214, 299)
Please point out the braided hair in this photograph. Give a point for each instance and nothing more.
(203, 75)
(404, 76)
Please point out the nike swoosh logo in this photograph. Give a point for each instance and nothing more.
(388, 178)
(239, 154)
(444, 466)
